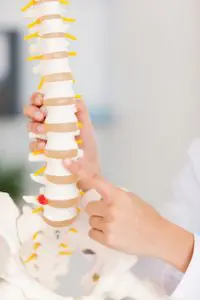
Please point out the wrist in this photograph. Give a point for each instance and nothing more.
(176, 245)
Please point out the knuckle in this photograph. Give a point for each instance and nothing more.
(112, 212)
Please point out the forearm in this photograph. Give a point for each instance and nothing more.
(175, 246)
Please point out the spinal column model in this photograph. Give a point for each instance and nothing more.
(59, 197)
(44, 247)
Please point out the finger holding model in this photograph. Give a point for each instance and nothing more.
(123, 221)
(36, 112)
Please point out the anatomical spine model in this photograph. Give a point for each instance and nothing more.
(59, 198)
(40, 242)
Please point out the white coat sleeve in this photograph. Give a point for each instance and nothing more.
(4, 255)
(184, 210)
(189, 287)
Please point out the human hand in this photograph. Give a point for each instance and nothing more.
(126, 223)
(35, 111)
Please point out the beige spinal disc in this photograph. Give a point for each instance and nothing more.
(59, 101)
(58, 77)
(55, 55)
(64, 203)
(54, 35)
(59, 223)
(70, 127)
(50, 17)
(62, 179)
(61, 154)
(44, 1)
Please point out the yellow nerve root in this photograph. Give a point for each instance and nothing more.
(36, 235)
(33, 2)
(80, 125)
(72, 53)
(79, 142)
(41, 84)
(38, 57)
(36, 246)
(70, 36)
(68, 20)
(78, 96)
(35, 23)
(62, 245)
(40, 171)
(67, 253)
(32, 36)
(37, 210)
(73, 230)
(65, 2)
(82, 193)
(38, 152)
(29, 5)
(39, 21)
(31, 258)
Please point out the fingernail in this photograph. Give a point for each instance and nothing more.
(38, 100)
(40, 128)
(38, 115)
(67, 162)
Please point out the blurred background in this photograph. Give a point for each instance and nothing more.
(138, 70)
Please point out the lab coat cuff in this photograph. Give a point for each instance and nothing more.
(189, 287)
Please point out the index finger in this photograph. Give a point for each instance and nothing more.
(97, 182)
(96, 208)
(37, 99)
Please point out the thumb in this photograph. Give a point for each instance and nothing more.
(84, 172)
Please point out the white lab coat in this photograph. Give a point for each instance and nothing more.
(184, 210)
